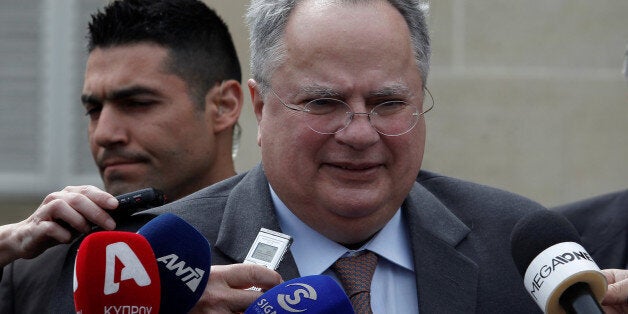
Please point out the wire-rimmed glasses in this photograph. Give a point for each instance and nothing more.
(330, 115)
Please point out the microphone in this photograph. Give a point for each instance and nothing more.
(316, 294)
(557, 271)
(116, 272)
(133, 202)
(184, 260)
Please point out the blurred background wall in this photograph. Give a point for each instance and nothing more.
(529, 97)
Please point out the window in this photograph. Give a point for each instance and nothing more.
(43, 137)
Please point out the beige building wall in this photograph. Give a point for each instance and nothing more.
(529, 96)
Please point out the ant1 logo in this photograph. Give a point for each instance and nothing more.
(190, 276)
(286, 302)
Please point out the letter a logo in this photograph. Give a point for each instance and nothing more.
(132, 268)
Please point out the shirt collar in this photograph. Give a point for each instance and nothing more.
(314, 253)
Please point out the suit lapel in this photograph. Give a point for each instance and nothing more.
(447, 279)
(249, 208)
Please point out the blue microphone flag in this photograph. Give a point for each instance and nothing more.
(310, 294)
(184, 259)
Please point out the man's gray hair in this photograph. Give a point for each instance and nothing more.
(267, 21)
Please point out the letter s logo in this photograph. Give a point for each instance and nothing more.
(132, 268)
(286, 301)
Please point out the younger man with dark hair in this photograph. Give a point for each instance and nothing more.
(162, 93)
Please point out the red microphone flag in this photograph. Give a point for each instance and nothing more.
(116, 272)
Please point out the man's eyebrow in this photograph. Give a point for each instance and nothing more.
(90, 99)
(119, 94)
(392, 90)
(319, 91)
(396, 89)
(131, 91)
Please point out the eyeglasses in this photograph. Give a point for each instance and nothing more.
(330, 115)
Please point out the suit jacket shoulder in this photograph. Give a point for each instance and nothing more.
(463, 229)
(602, 222)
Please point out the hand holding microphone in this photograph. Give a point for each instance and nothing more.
(558, 272)
(56, 220)
(227, 292)
(616, 298)
(65, 214)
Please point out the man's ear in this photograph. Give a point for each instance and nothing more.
(258, 105)
(256, 99)
(228, 102)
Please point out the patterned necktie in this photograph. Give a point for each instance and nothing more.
(356, 273)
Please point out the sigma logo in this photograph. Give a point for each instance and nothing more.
(191, 277)
(288, 302)
(132, 268)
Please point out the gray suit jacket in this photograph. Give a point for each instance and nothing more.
(459, 233)
(602, 222)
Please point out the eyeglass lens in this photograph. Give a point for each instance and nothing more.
(328, 116)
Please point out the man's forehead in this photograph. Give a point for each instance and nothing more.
(126, 70)
(131, 57)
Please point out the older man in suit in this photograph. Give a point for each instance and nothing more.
(339, 95)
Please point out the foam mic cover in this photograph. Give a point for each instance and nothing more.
(310, 294)
(557, 271)
(184, 259)
(114, 272)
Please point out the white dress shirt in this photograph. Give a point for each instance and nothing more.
(393, 289)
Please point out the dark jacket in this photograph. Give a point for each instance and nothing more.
(602, 222)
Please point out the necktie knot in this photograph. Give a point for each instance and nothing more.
(355, 274)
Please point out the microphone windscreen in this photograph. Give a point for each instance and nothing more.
(537, 231)
(116, 271)
(545, 247)
(184, 260)
(316, 294)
